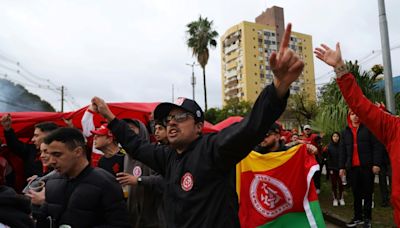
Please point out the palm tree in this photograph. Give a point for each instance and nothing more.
(201, 35)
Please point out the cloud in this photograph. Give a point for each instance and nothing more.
(136, 51)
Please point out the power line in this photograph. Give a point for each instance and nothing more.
(31, 78)
(371, 55)
(20, 73)
(38, 86)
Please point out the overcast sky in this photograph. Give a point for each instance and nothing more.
(135, 50)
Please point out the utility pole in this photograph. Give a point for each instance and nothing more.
(387, 63)
(173, 96)
(62, 98)
(193, 81)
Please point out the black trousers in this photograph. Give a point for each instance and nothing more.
(383, 185)
(362, 185)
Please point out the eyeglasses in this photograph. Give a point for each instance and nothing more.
(178, 117)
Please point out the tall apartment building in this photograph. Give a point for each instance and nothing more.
(246, 49)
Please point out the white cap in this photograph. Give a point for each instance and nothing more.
(307, 127)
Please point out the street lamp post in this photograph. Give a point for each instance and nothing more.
(387, 63)
(193, 80)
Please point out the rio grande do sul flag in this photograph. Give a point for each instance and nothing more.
(276, 190)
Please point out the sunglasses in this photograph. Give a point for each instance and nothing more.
(179, 118)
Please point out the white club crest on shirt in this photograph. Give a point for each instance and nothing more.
(187, 182)
(269, 196)
(137, 171)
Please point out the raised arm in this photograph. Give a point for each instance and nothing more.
(19, 148)
(235, 142)
(286, 65)
(377, 120)
(151, 155)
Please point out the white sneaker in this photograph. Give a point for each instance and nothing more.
(342, 203)
(335, 203)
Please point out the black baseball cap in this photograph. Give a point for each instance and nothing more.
(162, 110)
(275, 128)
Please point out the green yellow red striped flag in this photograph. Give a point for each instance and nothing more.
(276, 190)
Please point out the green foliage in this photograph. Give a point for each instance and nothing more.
(234, 107)
(333, 108)
(301, 108)
(201, 36)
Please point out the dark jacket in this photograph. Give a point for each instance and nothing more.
(27, 152)
(92, 199)
(370, 150)
(200, 190)
(333, 152)
(14, 209)
(145, 199)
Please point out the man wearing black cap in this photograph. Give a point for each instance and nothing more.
(272, 141)
(199, 170)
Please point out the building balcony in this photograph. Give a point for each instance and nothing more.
(230, 74)
(232, 92)
(232, 56)
(230, 40)
(231, 65)
(231, 83)
(231, 48)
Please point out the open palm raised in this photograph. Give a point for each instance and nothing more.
(329, 56)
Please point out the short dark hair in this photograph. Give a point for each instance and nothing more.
(71, 137)
(46, 126)
(159, 122)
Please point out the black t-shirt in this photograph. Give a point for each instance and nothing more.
(114, 164)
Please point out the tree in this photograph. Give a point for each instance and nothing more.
(15, 98)
(201, 35)
(301, 108)
(234, 107)
(333, 108)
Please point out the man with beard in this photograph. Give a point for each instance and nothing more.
(199, 169)
(272, 141)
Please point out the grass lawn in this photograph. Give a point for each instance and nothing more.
(381, 216)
